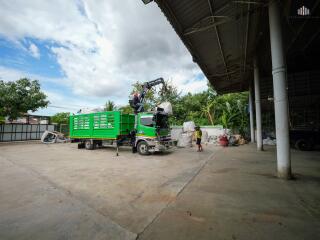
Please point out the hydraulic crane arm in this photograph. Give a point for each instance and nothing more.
(137, 102)
(148, 85)
(152, 83)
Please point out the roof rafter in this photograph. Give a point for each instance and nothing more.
(206, 24)
(246, 41)
(211, 4)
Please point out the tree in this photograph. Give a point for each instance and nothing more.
(188, 108)
(231, 111)
(127, 109)
(168, 93)
(60, 118)
(207, 111)
(19, 97)
(212, 93)
(110, 106)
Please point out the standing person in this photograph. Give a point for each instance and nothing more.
(133, 141)
(198, 135)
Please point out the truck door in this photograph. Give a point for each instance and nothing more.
(146, 126)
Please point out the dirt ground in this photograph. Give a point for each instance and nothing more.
(60, 192)
(61, 188)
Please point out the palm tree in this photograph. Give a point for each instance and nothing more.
(110, 106)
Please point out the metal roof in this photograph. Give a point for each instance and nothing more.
(223, 36)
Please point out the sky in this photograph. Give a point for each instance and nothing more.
(85, 52)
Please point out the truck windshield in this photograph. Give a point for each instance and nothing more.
(147, 121)
(162, 120)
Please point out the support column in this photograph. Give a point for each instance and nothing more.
(258, 104)
(251, 114)
(280, 92)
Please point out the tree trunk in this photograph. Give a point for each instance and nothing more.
(210, 118)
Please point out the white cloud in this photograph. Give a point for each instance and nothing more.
(10, 74)
(34, 51)
(63, 103)
(103, 46)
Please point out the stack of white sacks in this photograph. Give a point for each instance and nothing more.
(185, 135)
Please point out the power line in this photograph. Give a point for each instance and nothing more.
(53, 106)
(74, 105)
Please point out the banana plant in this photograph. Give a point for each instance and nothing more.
(207, 111)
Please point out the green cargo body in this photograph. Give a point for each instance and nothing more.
(101, 125)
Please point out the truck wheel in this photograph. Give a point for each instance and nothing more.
(143, 148)
(303, 145)
(88, 145)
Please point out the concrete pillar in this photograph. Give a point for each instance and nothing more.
(280, 92)
(251, 114)
(258, 104)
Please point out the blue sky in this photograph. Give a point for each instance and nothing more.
(44, 67)
(92, 54)
(19, 57)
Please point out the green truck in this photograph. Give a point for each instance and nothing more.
(145, 132)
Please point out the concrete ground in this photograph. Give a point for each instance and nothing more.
(60, 192)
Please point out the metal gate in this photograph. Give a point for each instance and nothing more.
(23, 132)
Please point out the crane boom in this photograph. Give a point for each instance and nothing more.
(137, 102)
(152, 83)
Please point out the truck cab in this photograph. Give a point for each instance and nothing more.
(153, 132)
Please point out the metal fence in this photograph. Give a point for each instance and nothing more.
(63, 128)
(23, 132)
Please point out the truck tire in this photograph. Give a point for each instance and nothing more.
(89, 145)
(143, 148)
(303, 145)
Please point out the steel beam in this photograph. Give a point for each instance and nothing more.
(246, 42)
(249, 2)
(200, 26)
(279, 72)
(218, 39)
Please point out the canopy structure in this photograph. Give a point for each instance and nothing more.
(223, 36)
(269, 46)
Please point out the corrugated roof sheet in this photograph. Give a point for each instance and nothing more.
(221, 51)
